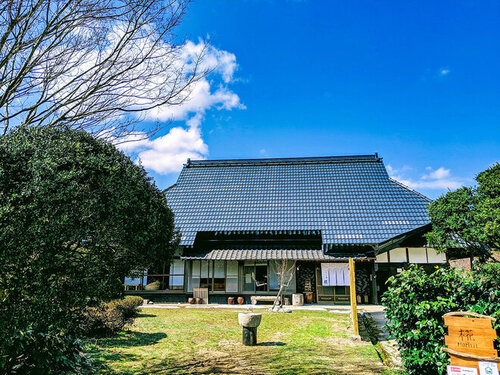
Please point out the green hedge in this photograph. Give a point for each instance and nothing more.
(416, 301)
(109, 317)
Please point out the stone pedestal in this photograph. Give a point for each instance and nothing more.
(249, 336)
(249, 322)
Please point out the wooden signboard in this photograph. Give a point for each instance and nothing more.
(470, 339)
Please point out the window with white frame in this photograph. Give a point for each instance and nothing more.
(219, 276)
(232, 276)
(176, 278)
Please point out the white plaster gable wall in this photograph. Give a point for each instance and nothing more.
(416, 255)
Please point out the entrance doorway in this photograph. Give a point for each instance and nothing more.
(331, 294)
(261, 277)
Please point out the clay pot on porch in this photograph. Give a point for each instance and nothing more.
(191, 300)
(241, 300)
(308, 297)
(198, 300)
(230, 300)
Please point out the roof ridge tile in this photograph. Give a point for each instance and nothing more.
(273, 161)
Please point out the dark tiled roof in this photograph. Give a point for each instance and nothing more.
(351, 200)
(270, 254)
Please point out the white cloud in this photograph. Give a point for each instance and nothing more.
(435, 179)
(167, 153)
(439, 174)
(133, 141)
(444, 71)
(392, 171)
(202, 94)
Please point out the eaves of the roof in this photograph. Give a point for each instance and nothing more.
(271, 254)
(410, 189)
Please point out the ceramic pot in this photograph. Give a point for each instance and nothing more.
(198, 300)
(191, 300)
(241, 300)
(230, 300)
(308, 297)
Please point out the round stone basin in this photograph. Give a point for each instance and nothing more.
(249, 320)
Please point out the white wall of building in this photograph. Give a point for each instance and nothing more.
(434, 257)
(417, 255)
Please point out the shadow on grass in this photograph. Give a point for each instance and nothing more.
(320, 362)
(131, 338)
(260, 363)
(271, 343)
(106, 350)
(238, 365)
(257, 360)
(145, 316)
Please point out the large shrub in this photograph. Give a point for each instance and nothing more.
(76, 216)
(416, 301)
(109, 317)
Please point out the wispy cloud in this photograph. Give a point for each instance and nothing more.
(443, 72)
(435, 74)
(435, 179)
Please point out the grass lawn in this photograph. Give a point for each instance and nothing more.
(207, 341)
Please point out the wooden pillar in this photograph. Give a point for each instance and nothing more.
(374, 284)
(354, 307)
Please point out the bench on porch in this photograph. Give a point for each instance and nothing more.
(256, 299)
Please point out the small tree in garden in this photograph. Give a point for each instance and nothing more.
(469, 218)
(284, 271)
(76, 216)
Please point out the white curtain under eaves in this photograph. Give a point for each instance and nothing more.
(335, 274)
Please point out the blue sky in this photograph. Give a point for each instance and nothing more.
(416, 81)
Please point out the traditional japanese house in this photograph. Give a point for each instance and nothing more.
(240, 219)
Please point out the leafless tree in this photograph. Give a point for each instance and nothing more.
(285, 272)
(98, 65)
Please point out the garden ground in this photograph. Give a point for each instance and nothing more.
(208, 341)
